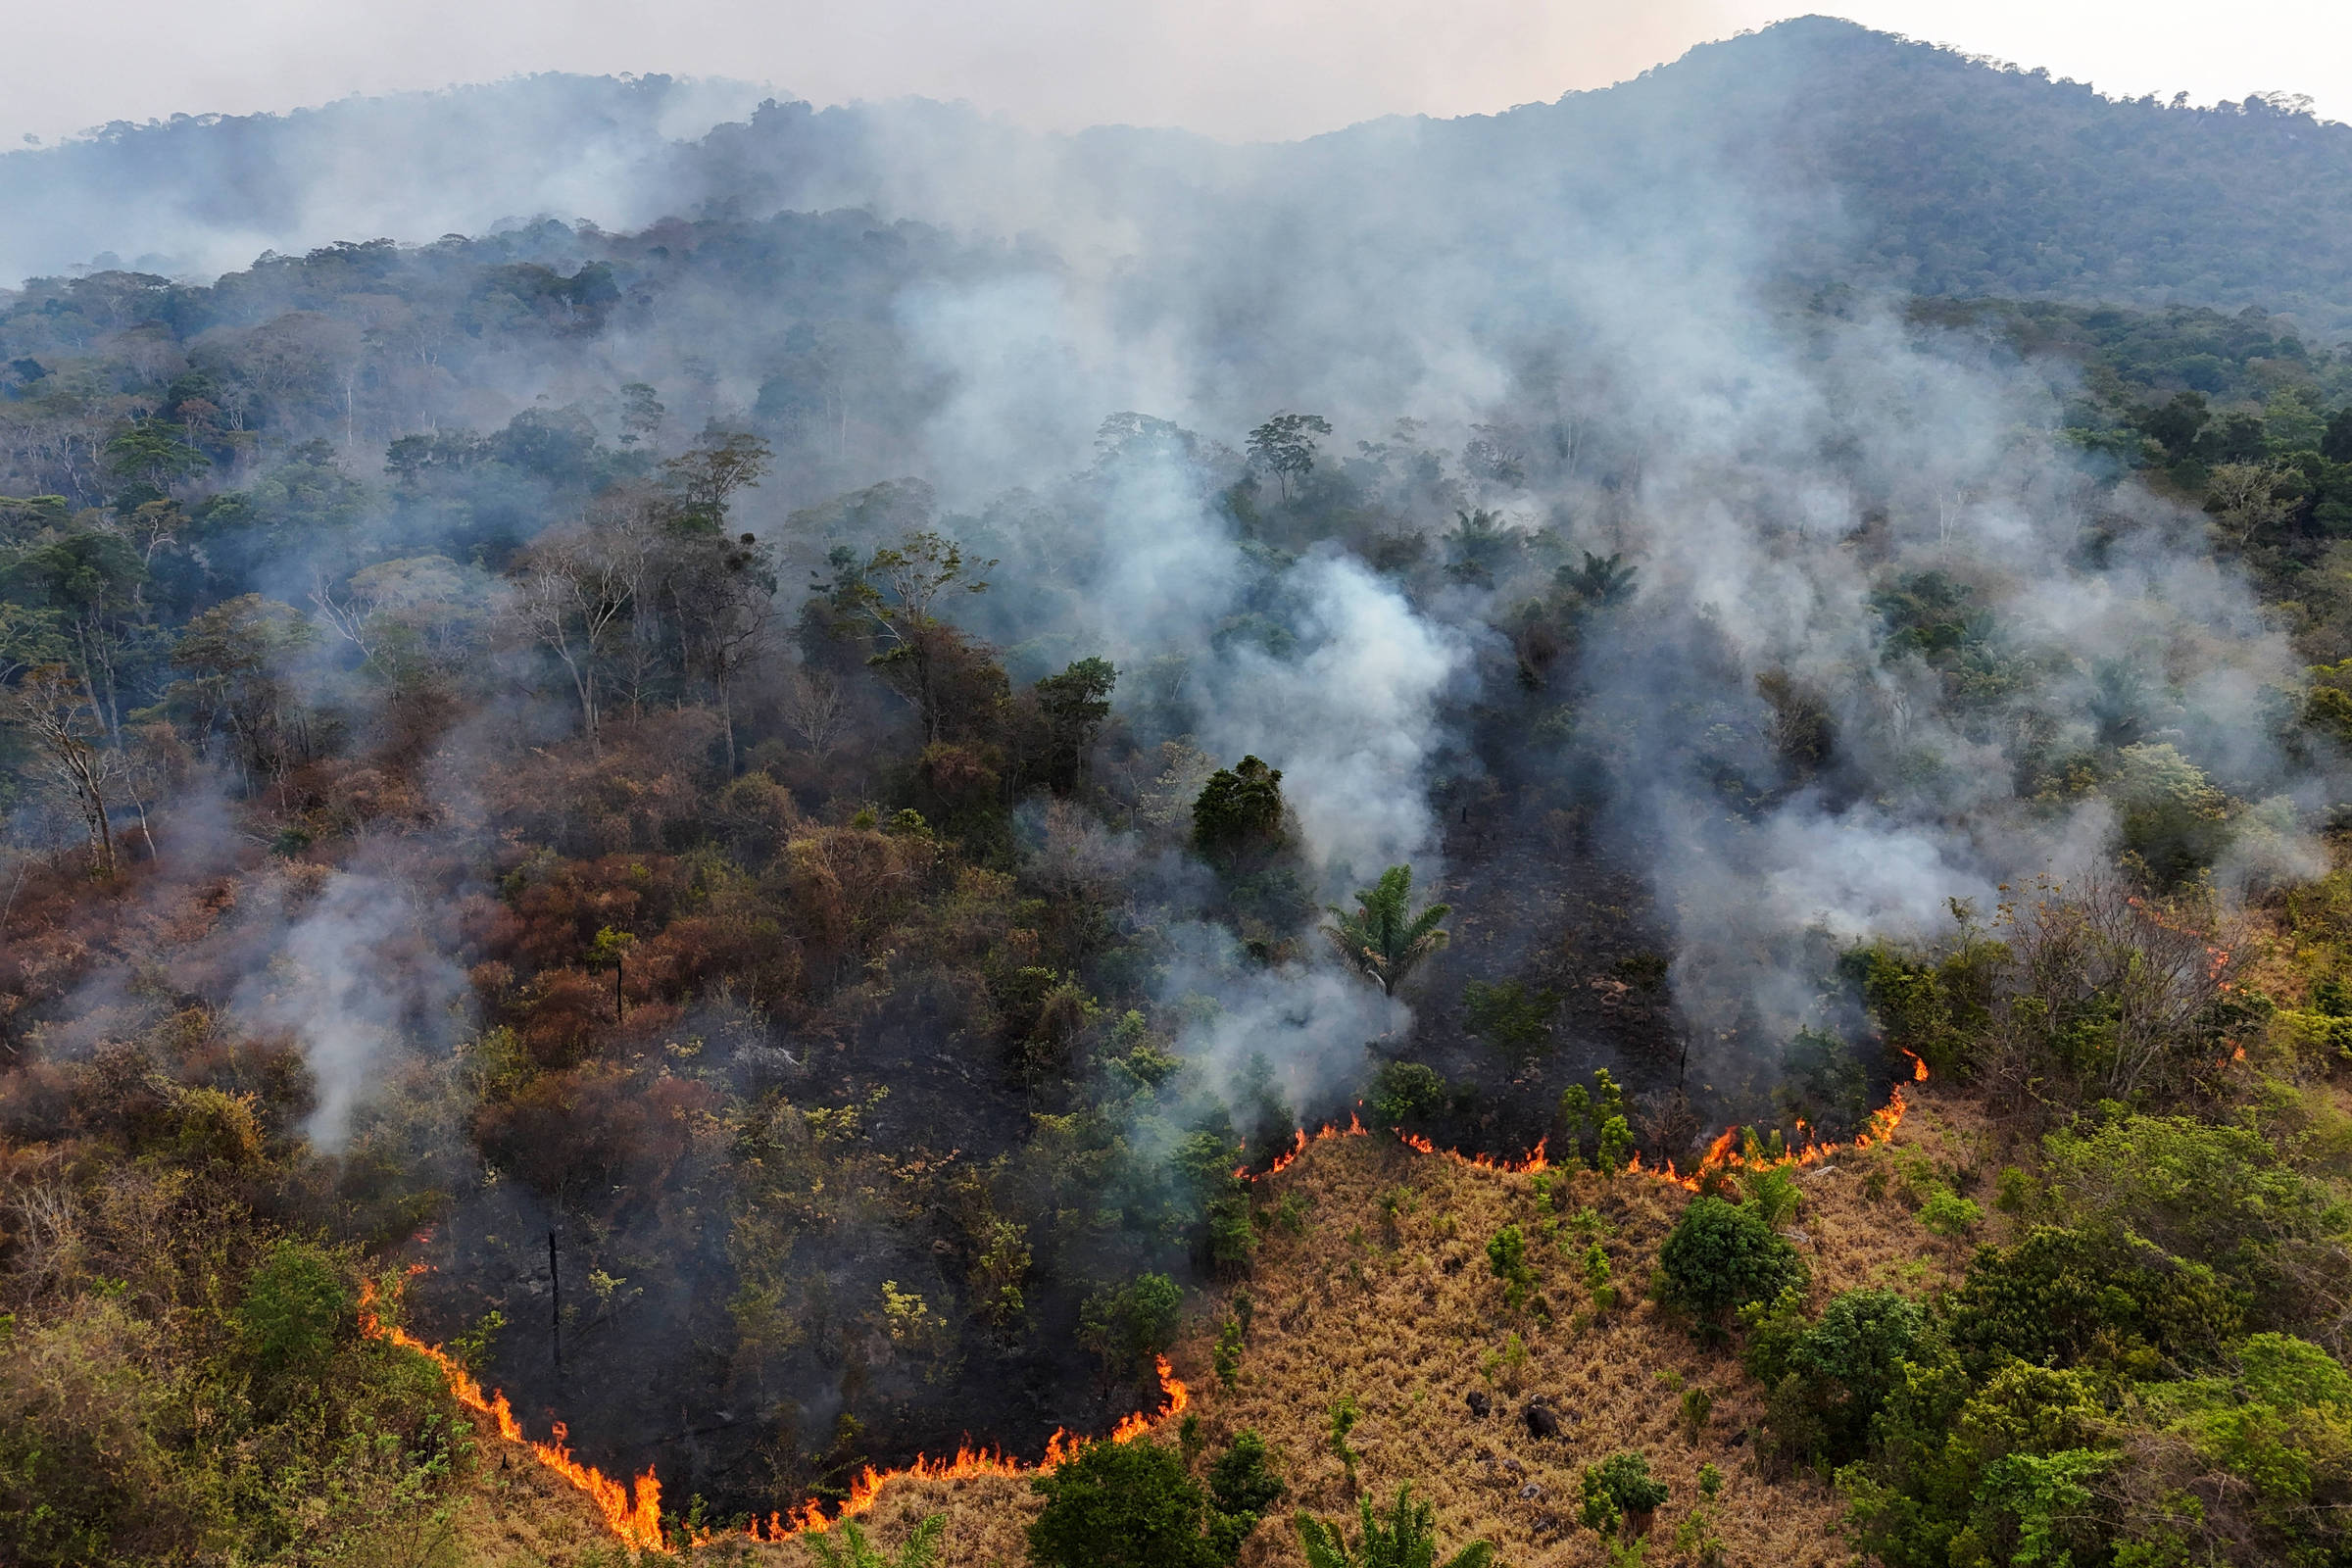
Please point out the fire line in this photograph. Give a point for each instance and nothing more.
(632, 1511)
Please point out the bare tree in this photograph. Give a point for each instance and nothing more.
(57, 715)
(574, 599)
(814, 711)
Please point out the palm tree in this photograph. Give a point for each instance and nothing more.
(1383, 938)
(1407, 1538)
(846, 1546)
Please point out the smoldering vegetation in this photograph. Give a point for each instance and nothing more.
(787, 779)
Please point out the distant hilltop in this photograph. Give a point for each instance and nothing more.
(1906, 165)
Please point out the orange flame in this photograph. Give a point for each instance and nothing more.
(634, 1513)
(812, 1520)
(1919, 1066)
(635, 1518)
(1299, 1142)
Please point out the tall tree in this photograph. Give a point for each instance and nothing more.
(56, 713)
(895, 592)
(1382, 938)
(1284, 446)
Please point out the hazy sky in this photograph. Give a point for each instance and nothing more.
(1232, 67)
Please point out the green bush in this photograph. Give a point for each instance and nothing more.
(2061, 1297)
(1120, 1505)
(1720, 1256)
(1407, 1094)
(295, 1305)
(1974, 1474)
(1506, 1256)
(1826, 1381)
(1241, 1488)
(1407, 1538)
(1128, 1325)
(1618, 1486)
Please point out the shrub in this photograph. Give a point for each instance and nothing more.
(1826, 1381)
(1345, 1413)
(1597, 1278)
(1772, 1193)
(1120, 1505)
(2062, 1296)
(1407, 1538)
(1722, 1256)
(294, 1304)
(1506, 1255)
(1242, 1487)
(1406, 1093)
(1126, 1327)
(1227, 1357)
(1947, 1214)
(1618, 1486)
(847, 1546)
(1958, 1468)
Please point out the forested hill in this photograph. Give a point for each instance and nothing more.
(1894, 162)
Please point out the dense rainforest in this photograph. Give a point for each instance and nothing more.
(772, 829)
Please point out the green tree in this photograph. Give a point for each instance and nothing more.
(1405, 1095)
(1506, 1256)
(1618, 1486)
(1128, 1325)
(1406, 1537)
(1242, 1487)
(704, 478)
(296, 1303)
(1239, 812)
(1120, 1505)
(1074, 702)
(1382, 938)
(1601, 580)
(1284, 446)
(898, 592)
(1720, 1255)
(1343, 1415)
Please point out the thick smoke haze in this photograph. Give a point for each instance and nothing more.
(676, 886)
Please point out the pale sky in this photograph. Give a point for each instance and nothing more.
(1229, 68)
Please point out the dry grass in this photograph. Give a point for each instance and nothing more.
(1404, 1315)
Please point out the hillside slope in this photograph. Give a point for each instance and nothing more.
(1891, 161)
(1372, 1284)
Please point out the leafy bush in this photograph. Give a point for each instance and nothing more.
(1506, 1256)
(1129, 1325)
(1972, 1474)
(1826, 1381)
(1241, 1488)
(295, 1305)
(1618, 1486)
(1407, 1094)
(1120, 1505)
(1720, 1256)
(1407, 1538)
(2061, 1297)
(846, 1546)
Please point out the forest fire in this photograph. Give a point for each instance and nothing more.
(634, 1514)
(1299, 1142)
(635, 1517)
(1722, 1154)
(1060, 1448)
